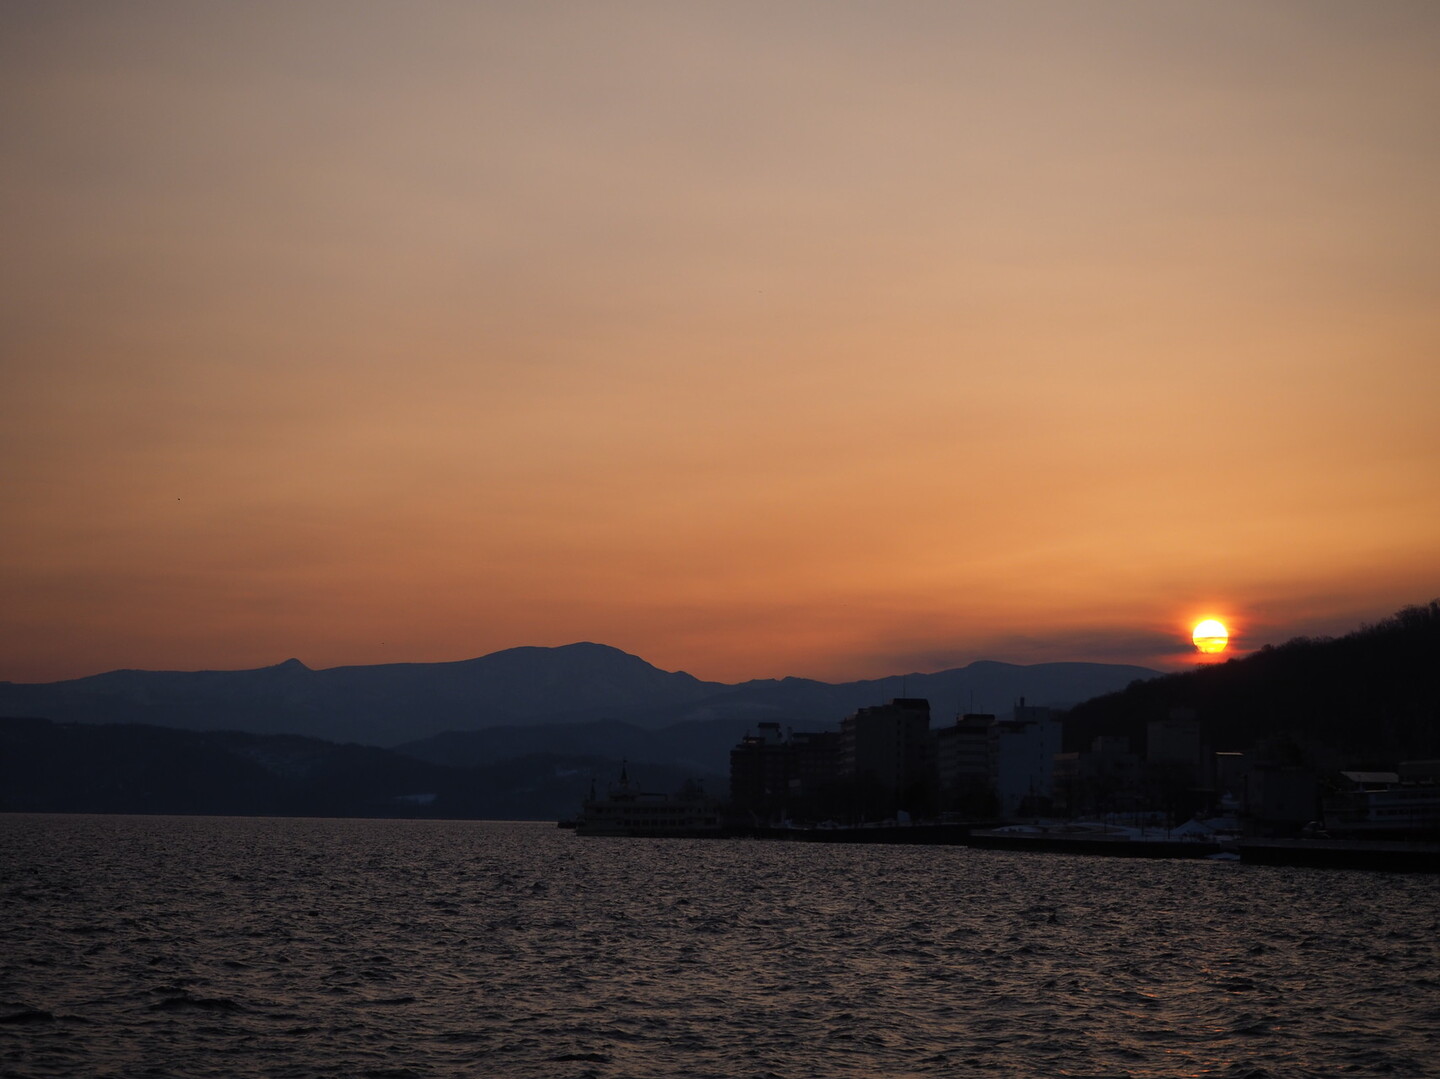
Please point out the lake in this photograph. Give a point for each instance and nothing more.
(195, 946)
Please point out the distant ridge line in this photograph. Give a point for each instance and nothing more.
(529, 685)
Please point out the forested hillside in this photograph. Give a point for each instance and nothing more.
(1371, 696)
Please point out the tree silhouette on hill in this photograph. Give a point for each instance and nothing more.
(1371, 696)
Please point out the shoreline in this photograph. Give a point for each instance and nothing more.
(1370, 854)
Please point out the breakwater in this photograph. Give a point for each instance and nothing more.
(1315, 853)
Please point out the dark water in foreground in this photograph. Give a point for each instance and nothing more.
(155, 946)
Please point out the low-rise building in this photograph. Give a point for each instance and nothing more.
(1102, 779)
(1174, 742)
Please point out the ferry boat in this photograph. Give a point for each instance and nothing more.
(1387, 805)
(626, 810)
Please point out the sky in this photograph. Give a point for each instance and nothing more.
(830, 339)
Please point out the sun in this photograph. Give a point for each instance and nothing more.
(1211, 636)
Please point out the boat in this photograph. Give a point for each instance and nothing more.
(1402, 805)
(1191, 840)
(626, 810)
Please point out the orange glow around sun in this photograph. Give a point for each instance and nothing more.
(1210, 636)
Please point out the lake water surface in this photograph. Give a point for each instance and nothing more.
(185, 946)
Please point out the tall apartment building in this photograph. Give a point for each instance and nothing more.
(817, 761)
(761, 768)
(889, 746)
(1023, 749)
(774, 774)
(962, 761)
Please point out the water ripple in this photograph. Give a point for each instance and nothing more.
(296, 948)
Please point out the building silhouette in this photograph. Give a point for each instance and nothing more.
(888, 754)
(964, 765)
(1024, 749)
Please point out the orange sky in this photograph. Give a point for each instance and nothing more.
(830, 339)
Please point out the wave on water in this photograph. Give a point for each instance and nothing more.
(289, 948)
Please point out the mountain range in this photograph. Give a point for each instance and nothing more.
(565, 689)
(48, 767)
(523, 733)
(518, 734)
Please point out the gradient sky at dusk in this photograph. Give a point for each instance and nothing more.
(830, 339)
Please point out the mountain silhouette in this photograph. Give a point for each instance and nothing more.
(521, 733)
(404, 703)
(48, 767)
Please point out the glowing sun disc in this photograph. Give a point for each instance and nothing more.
(1211, 636)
